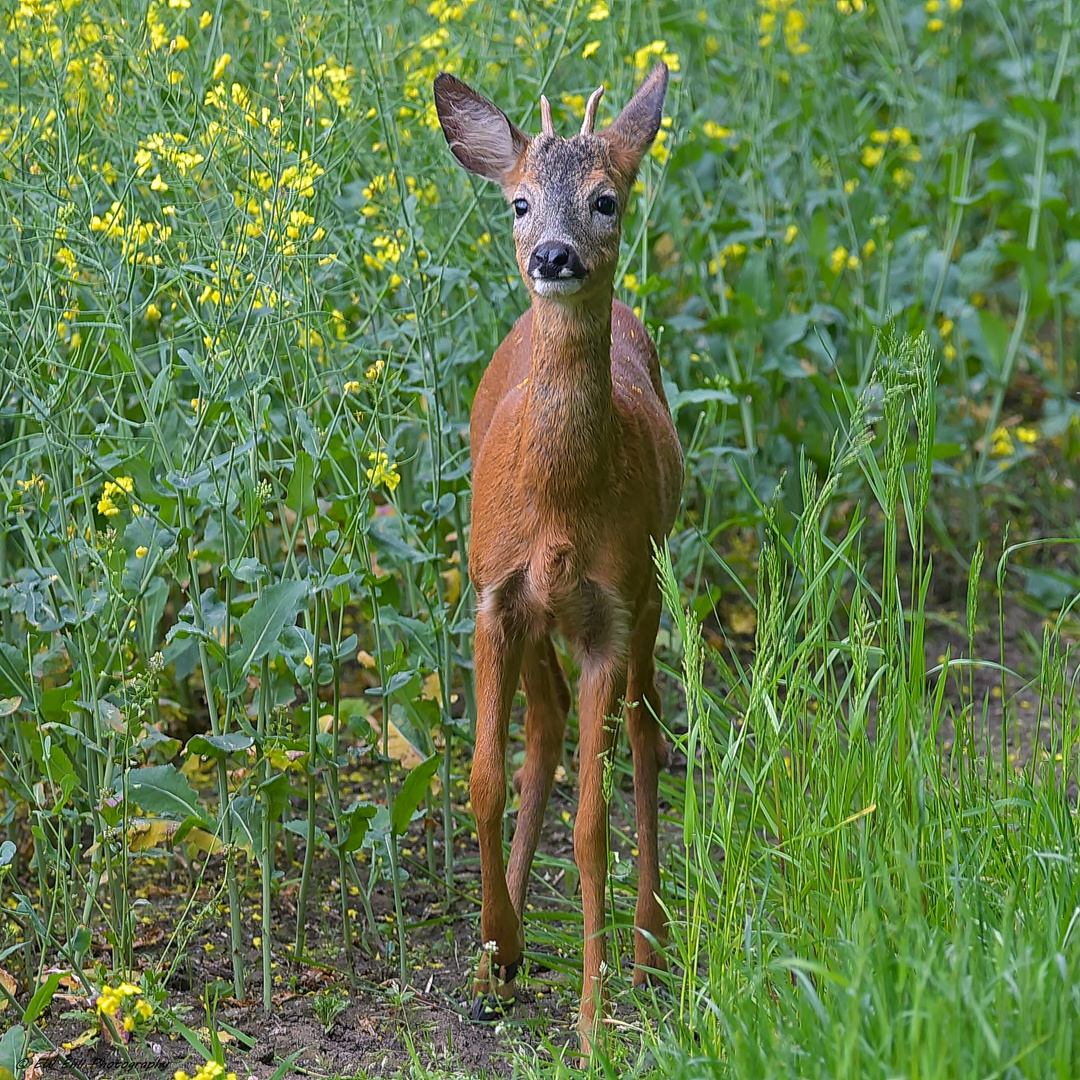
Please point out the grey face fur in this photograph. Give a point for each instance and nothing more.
(568, 199)
(568, 195)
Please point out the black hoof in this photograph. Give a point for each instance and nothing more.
(488, 1008)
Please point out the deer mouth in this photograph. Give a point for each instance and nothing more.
(567, 286)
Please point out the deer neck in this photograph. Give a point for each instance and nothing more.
(569, 429)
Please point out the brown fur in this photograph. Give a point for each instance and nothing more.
(577, 470)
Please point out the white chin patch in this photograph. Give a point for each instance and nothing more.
(553, 287)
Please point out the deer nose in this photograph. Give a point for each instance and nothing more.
(553, 260)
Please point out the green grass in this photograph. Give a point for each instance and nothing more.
(245, 299)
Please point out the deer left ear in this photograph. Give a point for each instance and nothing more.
(479, 133)
(634, 129)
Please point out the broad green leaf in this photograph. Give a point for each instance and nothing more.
(12, 671)
(7, 853)
(260, 628)
(234, 742)
(42, 998)
(161, 789)
(354, 826)
(300, 497)
(412, 791)
(12, 1048)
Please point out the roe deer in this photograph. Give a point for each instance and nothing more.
(577, 470)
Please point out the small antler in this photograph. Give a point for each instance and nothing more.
(589, 123)
(546, 126)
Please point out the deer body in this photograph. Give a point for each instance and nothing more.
(577, 471)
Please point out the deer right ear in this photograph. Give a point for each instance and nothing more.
(478, 133)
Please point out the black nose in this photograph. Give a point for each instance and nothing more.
(554, 260)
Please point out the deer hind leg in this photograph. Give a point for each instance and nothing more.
(603, 683)
(498, 662)
(649, 747)
(548, 701)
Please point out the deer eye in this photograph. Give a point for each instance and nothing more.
(521, 207)
(606, 205)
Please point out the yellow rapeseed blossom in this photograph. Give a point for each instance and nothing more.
(934, 25)
(850, 7)
(790, 233)
(644, 57)
(383, 473)
(1001, 444)
(121, 488)
(869, 248)
(375, 370)
(352, 386)
(838, 259)
(1027, 435)
(140, 553)
(220, 65)
(590, 49)
(903, 178)
(713, 130)
(598, 12)
(872, 155)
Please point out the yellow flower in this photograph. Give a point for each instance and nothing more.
(375, 370)
(590, 49)
(153, 312)
(157, 184)
(598, 12)
(949, 352)
(902, 178)
(222, 63)
(383, 473)
(934, 25)
(180, 43)
(838, 259)
(871, 155)
(932, 7)
(853, 262)
(1027, 435)
(630, 282)
(716, 131)
(790, 234)
(122, 487)
(140, 553)
(869, 248)
(901, 136)
(352, 386)
(1001, 444)
(955, 5)
(851, 185)
(945, 327)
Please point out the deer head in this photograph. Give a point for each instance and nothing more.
(568, 195)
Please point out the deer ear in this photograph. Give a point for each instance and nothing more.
(478, 133)
(633, 130)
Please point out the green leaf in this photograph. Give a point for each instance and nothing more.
(260, 628)
(412, 791)
(300, 497)
(13, 671)
(12, 1048)
(218, 746)
(161, 789)
(7, 853)
(355, 822)
(41, 1000)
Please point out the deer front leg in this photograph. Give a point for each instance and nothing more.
(603, 682)
(649, 748)
(498, 661)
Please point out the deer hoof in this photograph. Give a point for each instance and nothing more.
(488, 1008)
